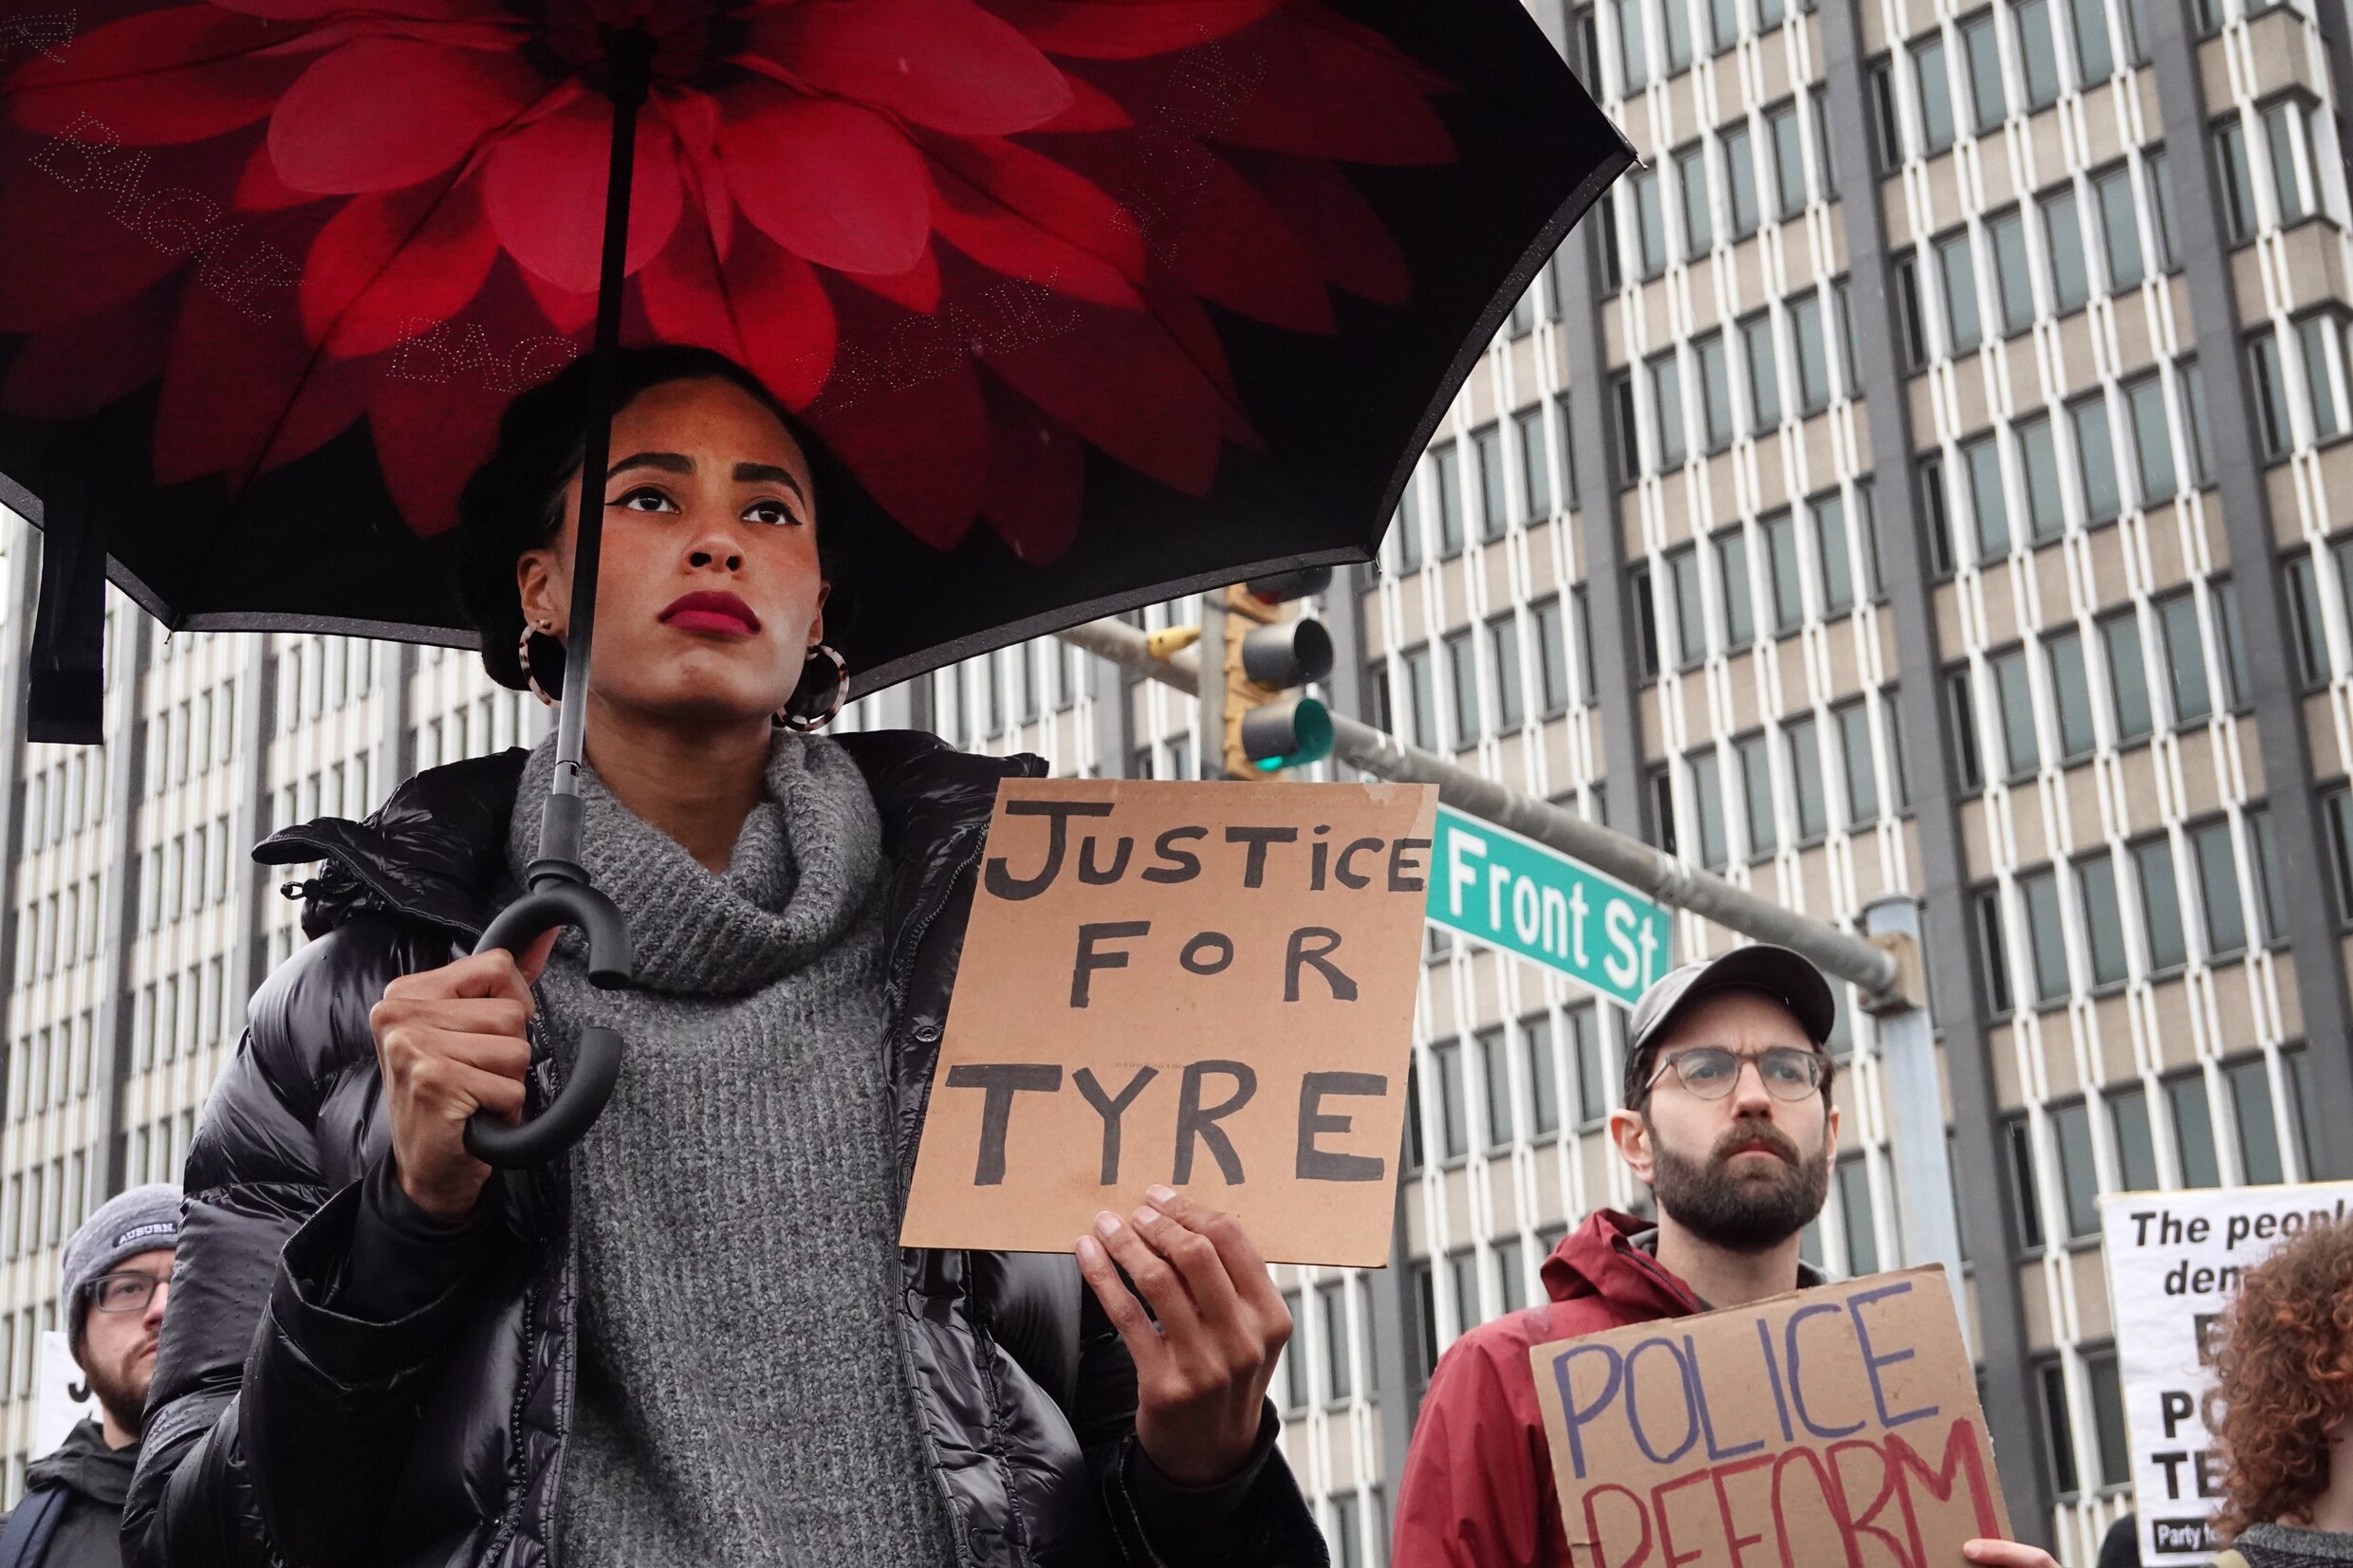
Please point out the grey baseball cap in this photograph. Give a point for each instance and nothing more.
(145, 1219)
(1788, 977)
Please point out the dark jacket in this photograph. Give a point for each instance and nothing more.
(281, 1432)
(93, 1478)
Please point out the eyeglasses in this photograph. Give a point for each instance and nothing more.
(126, 1292)
(1711, 1071)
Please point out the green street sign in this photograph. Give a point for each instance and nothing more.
(1490, 883)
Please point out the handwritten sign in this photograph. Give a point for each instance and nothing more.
(1206, 984)
(1833, 1425)
(2175, 1260)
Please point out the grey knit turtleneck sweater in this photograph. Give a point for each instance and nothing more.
(743, 1396)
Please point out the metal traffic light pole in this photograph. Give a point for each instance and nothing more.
(1885, 964)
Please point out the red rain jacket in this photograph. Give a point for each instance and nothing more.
(1478, 1488)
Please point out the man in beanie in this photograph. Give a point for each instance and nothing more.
(1728, 1119)
(118, 1275)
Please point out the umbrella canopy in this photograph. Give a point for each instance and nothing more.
(1098, 301)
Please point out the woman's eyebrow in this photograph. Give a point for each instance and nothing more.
(769, 474)
(670, 462)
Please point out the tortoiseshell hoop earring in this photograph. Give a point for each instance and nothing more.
(792, 716)
(522, 656)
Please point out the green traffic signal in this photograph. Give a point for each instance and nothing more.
(1287, 735)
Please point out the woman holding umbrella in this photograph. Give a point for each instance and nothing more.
(697, 1342)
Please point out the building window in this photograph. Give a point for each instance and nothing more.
(2128, 678)
(2218, 885)
(1650, 229)
(1984, 52)
(2272, 420)
(2135, 1146)
(2057, 1428)
(1988, 508)
(2063, 230)
(1420, 699)
(2250, 1086)
(1666, 386)
(1463, 684)
(1690, 167)
(1788, 160)
(2195, 1150)
(1503, 646)
(1632, 59)
(2079, 1176)
(1930, 77)
(1593, 1086)
(1447, 467)
(1496, 1070)
(1626, 429)
(1992, 952)
(1715, 391)
(2160, 904)
(2120, 226)
(1757, 352)
(2095, 458)
(1813, 358)
(1732, 562)
(1551, 656)
(2287, 142)
(1911, 316)
(2013, 692)
(1961, 711)
(1784, 581)
(2153, 443)
(1691, 624)
(1830, 549)
(2013, 283)
(1332, 1318)
(2038, 59)
(2238, 186)
(1543, 1082)
(1453, 1114)
(1535, 465)
(1740, 181)
(1859, 771)
(1854, 1194)
(2237, 690)
(2107, 1413)
(2320, 349)
(2104, 922)
(2094, 62)
(1707, 787)
(1957, 268)
(1405, 529)
(2046, 936)
(2270, 892)
(2070, 687)
(1494, 512)
(1813, 810)
(1644, 596)
(1294, 1360)
(2185, 659)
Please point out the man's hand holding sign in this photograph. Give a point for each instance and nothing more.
(1201, 993)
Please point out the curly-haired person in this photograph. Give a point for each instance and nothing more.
(2285, 1365)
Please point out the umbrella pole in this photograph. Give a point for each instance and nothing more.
(629, 55)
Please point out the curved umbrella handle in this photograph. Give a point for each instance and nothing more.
(596, 1066)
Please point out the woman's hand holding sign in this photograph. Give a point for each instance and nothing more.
(1202, 1371)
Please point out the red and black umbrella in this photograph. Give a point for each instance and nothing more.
(1098, 302)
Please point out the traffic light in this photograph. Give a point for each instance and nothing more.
(1269, 653)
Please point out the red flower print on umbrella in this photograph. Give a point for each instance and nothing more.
(967, 241)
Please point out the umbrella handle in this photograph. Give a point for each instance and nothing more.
(596, 1065)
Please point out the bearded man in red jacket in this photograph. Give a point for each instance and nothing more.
(1728, 1121)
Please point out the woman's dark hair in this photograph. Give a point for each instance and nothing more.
(514, 501)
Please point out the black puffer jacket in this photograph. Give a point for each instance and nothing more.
(280, 1431)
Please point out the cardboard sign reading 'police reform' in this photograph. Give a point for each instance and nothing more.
(1206, 985)
(1833, 1425)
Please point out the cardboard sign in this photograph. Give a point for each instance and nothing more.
(1206, 985)
(2174, 1261)
(1833, 1425)
(63, 1399)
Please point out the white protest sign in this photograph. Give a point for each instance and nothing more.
(58, 1380)
(2174, 1261)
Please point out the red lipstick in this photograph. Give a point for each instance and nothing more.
(720, 613)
